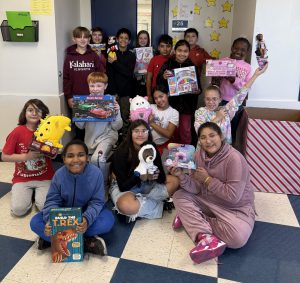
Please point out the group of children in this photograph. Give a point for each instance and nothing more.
(173, 119)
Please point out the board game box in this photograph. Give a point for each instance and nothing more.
(143, 57)
(66, 243)
(89, 108)
(221, 68)
(184, 81)
(181, 155)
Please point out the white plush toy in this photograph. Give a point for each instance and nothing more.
(139, 108)
(147, 155)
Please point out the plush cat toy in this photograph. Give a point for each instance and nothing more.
(49, 133)
(146, 167)
(140, 108)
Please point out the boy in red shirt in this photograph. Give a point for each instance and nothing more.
(165, 44)
(198, 55)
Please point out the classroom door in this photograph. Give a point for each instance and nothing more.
(160, 19)
(114, 14)
(111, 15)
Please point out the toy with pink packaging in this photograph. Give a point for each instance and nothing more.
(181, 155)
(140, 108)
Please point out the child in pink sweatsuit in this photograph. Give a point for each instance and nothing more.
(216, 202)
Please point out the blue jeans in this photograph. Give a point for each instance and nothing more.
(149, 194)
(103, 224)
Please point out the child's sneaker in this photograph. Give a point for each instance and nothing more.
(42, 244)
(176, 223)
(208, 247)
(95, 245)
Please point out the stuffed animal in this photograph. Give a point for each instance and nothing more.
(140, 108)
(146, 167)
(112, 47)
(51, 130)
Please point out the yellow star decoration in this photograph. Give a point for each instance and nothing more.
(208, 23)
(211, 3)
(175, 39)
(197, 9)
(175, 12)
(214, 36)
(227, 6)
(223, 23)
(215, 53)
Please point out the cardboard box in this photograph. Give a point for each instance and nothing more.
(270, 140)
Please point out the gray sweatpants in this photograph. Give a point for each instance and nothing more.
(201, 216)
(21, 196)
(104, 147)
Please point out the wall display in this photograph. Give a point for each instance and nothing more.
(213, 19)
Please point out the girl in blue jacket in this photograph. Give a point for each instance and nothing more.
(77, 184)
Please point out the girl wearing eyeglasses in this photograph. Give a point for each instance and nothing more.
(33, 171)
(131, 195)
(224, 114)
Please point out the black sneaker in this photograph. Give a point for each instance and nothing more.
(95, 245)
(42, 244)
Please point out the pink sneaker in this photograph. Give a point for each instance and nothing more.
(176, 223)
(208, 247)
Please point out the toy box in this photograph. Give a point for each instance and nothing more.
(143, 57)
(184, 81)
(181, 155)
(46, 149)
(89, 108)
(220, 68)
(66, 243)
(98, 47)
(270, 140)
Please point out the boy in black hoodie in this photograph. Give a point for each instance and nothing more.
(120, 70)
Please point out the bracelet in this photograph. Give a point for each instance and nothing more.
(206, 180)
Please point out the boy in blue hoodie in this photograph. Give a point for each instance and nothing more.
(77, 184)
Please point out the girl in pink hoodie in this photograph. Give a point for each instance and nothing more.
(216, 202)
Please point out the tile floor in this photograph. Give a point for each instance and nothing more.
(150, 251)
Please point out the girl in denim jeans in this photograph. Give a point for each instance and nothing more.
(132, 196)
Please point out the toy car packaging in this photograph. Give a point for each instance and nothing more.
(93, 108)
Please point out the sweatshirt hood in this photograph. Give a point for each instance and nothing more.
(72, 49)
(222, 154)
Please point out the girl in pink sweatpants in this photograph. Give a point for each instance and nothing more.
(216, 202)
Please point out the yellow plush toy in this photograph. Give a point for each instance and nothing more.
(51, 130)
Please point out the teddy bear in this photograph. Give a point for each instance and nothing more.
(146, 168)
(140, 108)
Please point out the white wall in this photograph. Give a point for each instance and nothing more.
(28, 70)
(31, 70)
(279, 21)
(85, 13)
